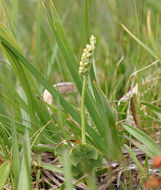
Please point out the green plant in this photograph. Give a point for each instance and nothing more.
(84, 68)
(120, 93)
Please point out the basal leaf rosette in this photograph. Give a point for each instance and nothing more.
(59, 150)
(84, 158)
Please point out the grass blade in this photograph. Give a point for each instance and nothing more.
(2, 106)
(144, 138)
(151, 106)
(10, 91)
(4, 135)
(52, 168)
(141, 43)
(132, 155)
(60, 122)
(67, 171)
(16, 158)
(109, 123)
(25, 172)
(146, 150)
(4, 173)
(19, 71)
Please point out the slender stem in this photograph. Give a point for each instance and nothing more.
(83, 111)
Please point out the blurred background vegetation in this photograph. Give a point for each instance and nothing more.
(32, 31)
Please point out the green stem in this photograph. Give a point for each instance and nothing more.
(83, 110)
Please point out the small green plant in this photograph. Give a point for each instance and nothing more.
(84, 68)
(84, 157)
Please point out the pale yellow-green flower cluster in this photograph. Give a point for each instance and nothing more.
(86, 56)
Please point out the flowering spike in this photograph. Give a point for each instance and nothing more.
(86, 56)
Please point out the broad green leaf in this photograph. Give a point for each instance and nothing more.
(146, 150)
(84, 158)
(43, 148)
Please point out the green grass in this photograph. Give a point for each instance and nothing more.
(41, 45)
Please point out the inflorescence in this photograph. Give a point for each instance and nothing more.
(86, 56)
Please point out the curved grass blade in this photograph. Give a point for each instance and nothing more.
(6, 121)
(26, 81)
(19, 71)
(141, 43)
(144, 149)
(10, 91)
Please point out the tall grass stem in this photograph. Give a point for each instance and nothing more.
(83, 110)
